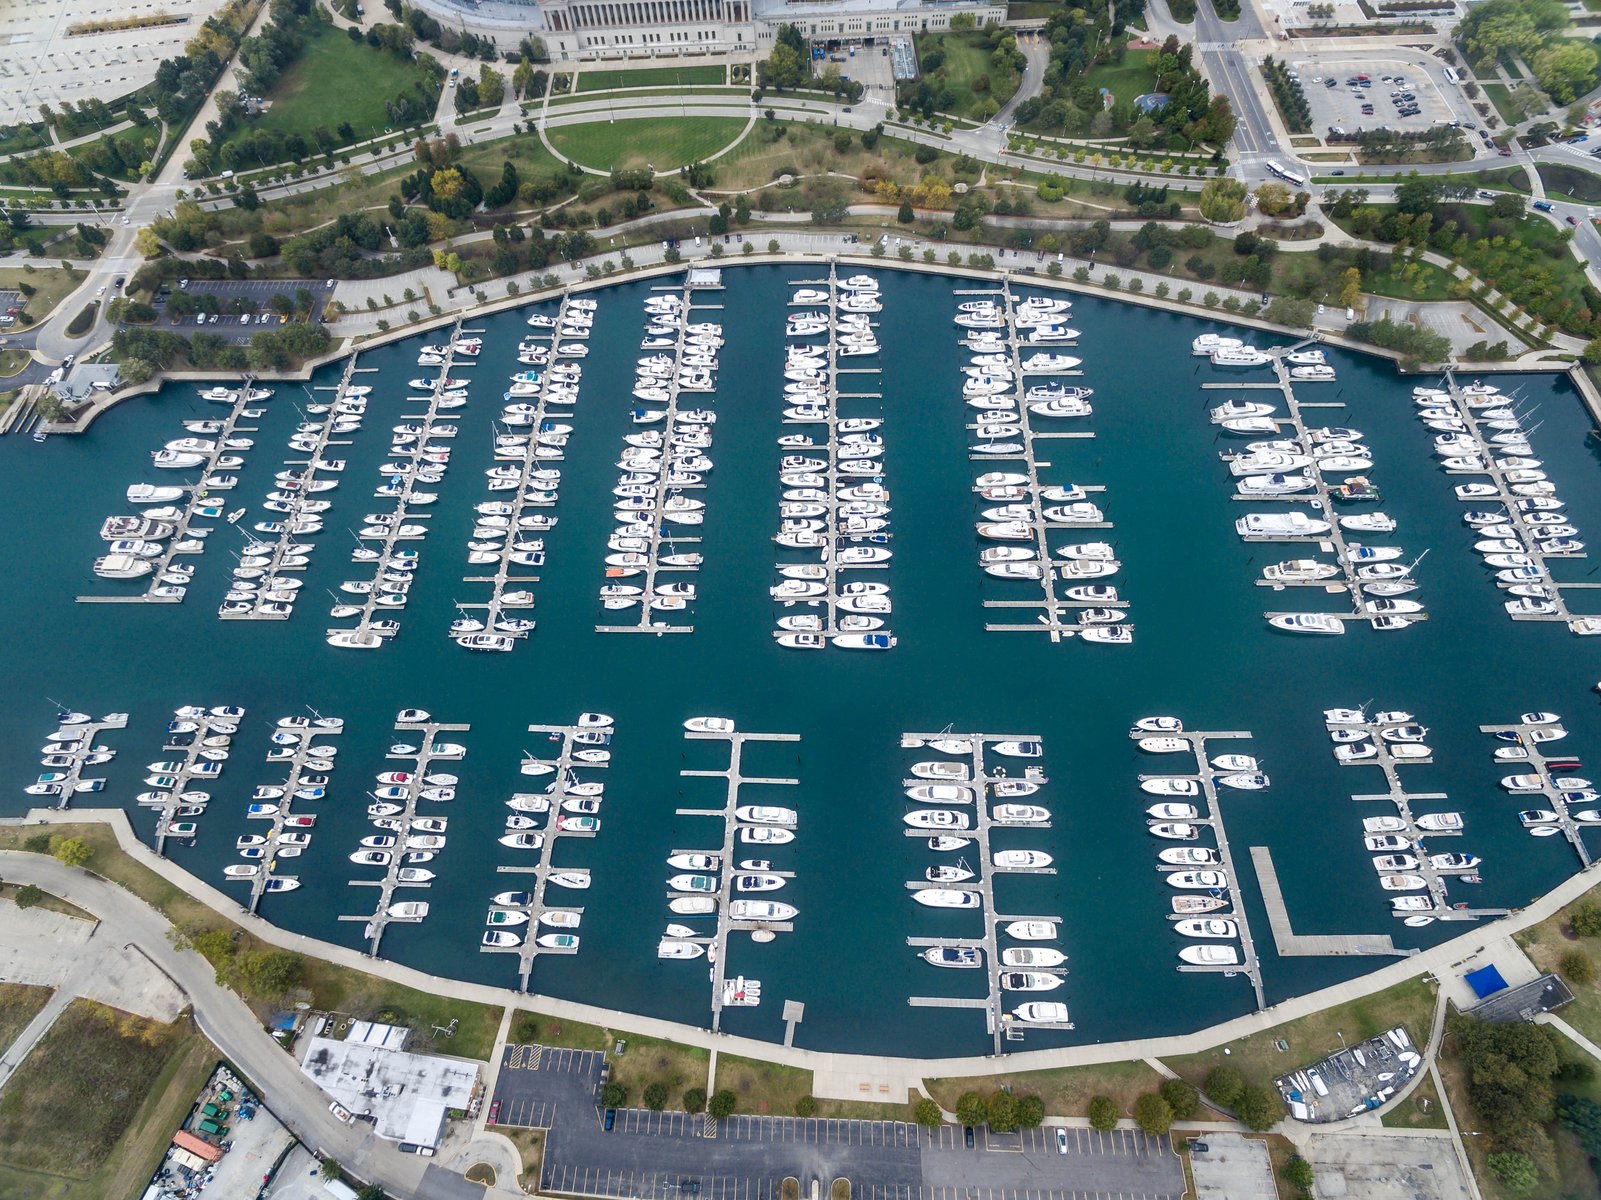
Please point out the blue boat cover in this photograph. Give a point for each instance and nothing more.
(1486, 981)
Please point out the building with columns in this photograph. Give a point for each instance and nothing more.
(613, 30)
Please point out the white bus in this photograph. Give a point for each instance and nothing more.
(1287, 176)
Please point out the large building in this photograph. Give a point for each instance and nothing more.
(596, 30)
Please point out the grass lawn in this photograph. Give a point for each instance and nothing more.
(664, 143)
(809, 150)
(606, 79)
(337, 80)
(1134, 76)
(9, 891)
(1420, 1110)
(19, 1004)
(966, 59)
(524, 151)
(51, 284)
(730, 93)
(530, 1145)
(1259, 1060)
(1501, 96)
(1572, 182)
(12, 362)
(1067, 1091)
(1546, 943)
(77, 1092)
(764, 1088)
(644, 1060)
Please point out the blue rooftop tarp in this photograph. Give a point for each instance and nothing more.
(1486, 981)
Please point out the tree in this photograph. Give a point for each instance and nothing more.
(329, 1168)
(1030, 1112)
(655, 1096)
(614, 1095)
(1257, 1107)
(1578, 966)
(1180, 1094)
(1103, 1114)
(1586, 920)
(695, 1100)
(806, 1106)
(371, 1191)
(1565, 68)
(73, 851)
(1274, 199)
(1513, 1168)
(273, 972)
(970, 1109)
(907, 214)
(1153, 1114)
(1223, 1084)
(28, 896)
(1299, 1175)
(1507, 205)
(1222, 200)
(1350, 287)
(927, 1113)
(1001, 1112)
(722, 1105)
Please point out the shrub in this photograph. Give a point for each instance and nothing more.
(28, 896)
(1258, 1108)
(970, 1109)
(1103, 1114)
(1514, 1169)
(655, 1096)
(1587, 920)
(1153, 1114)
(1298, 1174)
(1002, 1111)
(1180, 1094)
(722, 1104)
(614, 1095)
(695, 1100)
(927, 1113)
(72, 851)
(1030, 1112)
(806, 1106)
(1578, 966)
(1224, 1083)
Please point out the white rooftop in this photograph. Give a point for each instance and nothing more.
(406, 1094)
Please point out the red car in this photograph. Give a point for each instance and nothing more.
(494, 1112)
(1571, 221)
(1505, 153)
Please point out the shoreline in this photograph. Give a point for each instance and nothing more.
(836, 1064)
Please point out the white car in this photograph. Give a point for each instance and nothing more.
(343, 1113)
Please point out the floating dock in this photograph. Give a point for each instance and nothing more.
(1441, 908)
(1001, 1025)
(1562, 801)
(535, 880)
(195, 764)
(717, 942)
(802, 473)
(666, 497)
(304, 488)
(203, 503)
(422, 758)
(301, 758)
(1525, 526)
(84, 734)
(1206, 775)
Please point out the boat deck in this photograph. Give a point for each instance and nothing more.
(663, 535)
(534, 456)
(403, 512)
(1524, 531)
(1205, 774)
(999, 1024)
(837, 533)
(1442, 909)
(297, 761)
(1539, 764)
(185, 529)
(1058, 614)
(1321, 497)
(313, 461)
(735, 780)
(74, 773)
(537, 887)
(379, 920)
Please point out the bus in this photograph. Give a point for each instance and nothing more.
(1288, 176)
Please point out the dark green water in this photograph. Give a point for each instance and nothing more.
(1202, 652)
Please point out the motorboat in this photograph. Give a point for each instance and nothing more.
(935, 897)
(1317, 623)
(1210, 955)
(1197, 880)
(1029, 981)
(1213, 927)
(1041, 1012)
(1173, 812)
(1165, 785)
(1031, 931)
(953, 956)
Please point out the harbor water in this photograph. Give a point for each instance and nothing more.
(1202, 652)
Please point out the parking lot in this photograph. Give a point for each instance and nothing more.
(745, 1157)
(1422, 97)
(235, 309)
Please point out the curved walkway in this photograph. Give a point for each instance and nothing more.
(826, 1065)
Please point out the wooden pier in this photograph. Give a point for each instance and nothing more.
(296, 490)
(1322, 497)
(388, 589)
(302, 756)
(203, 503)
(84, 735)
(716, 943)
(1058, 616)
(556, 825)
(422, 758)
(659, 481)
(1206, 776)
(1508, 495)
(1441, 909)
(802, 467)
(194, 765)
(1538, 763)
(1001, 1025)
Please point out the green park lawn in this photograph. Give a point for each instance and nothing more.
(606, 79)
(664, 143)
(1134, 76)
(965, 60)
(337, 80)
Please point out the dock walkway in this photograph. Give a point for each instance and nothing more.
(1001, 1026)
(1532, 735)
(305, 753)
(738, 992)
(169, 795)
(557, 824)
(84, 736)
